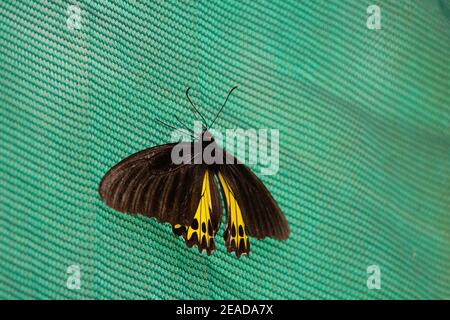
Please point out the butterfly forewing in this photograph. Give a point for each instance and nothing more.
(260, 213)
(148, 183)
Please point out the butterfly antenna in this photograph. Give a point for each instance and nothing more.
(194, 109)
(175, 128)
(218, 113)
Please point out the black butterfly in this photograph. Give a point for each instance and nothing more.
(186, 194)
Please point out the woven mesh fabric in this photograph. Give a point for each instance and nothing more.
(364, 122)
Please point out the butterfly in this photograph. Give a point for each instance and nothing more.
(186, 194)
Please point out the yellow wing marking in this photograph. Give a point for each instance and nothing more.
(201, 225)
(236, 225)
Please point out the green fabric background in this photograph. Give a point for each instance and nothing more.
(364, 120)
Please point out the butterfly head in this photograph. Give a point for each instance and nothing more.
(207, 136)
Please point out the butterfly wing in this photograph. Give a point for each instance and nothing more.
(251, 209)
(207, 217)
(149, 183)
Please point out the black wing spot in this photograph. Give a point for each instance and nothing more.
(241, 231)
(193, 240)
(203, 227)
(194, 224)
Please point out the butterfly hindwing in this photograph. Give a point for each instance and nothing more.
(206, 221)
(236, 233)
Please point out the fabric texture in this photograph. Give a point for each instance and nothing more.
(364, 121)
